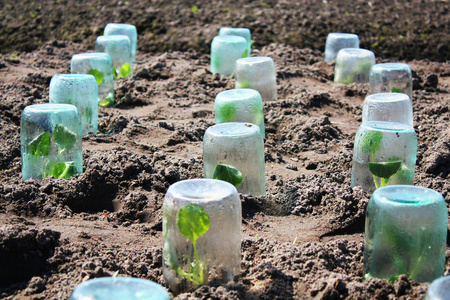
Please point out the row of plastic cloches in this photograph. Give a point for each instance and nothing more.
(51, 133)
(233, 151)
(198, 211)
(406, 225)
(354, 64)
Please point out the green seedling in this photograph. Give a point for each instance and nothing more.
(194, 8)
(87, 114)
(384, 171)
(396, 90)
(227, 112)
(60, 170)
(244, 83)
(109, 100)
(64, 137)
(40, 146)
(360, 69)
(371, 143)
(123, 72)
(192, 222)
(97, 74)
(245, 54)
(228, 173)
(408, 250)
(115, 73)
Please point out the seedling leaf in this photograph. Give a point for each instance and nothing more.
(64, 137)
(97, 74)
(87, 114)
(243, 84)
(109, 100)
(227, 112)
(192, 221)
(371, 142)
(125, 70)
(384, 169)
(115, 74)
(228, 173)
(194, 8)
(40, 145)
(60, 170)
(396, 90)
(245, 54)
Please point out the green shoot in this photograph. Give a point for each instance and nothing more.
(408, 250)
(87, 114)
(64, 137)
(384, 170)
(227, 112)
(371, 143)
(361, 68)
(69, 101)
(125, 70)
(60, 170)
(192, 222)
(40, 146)
(396, 90)
(228, 173)
(97, 74)
(194, 8)
(244, 84)
(245, 54)
(109, 100)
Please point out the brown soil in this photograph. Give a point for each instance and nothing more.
(305, 238)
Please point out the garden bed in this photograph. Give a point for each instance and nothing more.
(305, 237)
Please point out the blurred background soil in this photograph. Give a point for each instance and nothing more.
(305, 238)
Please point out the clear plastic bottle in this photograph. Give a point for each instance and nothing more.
(257, 73)
(240, 146)
(50, 136)
(393, 107)
(202, 233)
(240, 105)
(119, 288)
(406, 233)
(100, 66)
(119, 49)
(384, 153)
(243, 32)
(225, 50)
(337, 41)
(353, 65)
(80, 90)
(391, 78)
(124, 29)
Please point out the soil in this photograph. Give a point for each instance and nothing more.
(305, 238)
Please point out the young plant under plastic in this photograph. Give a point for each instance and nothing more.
(192, 222)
